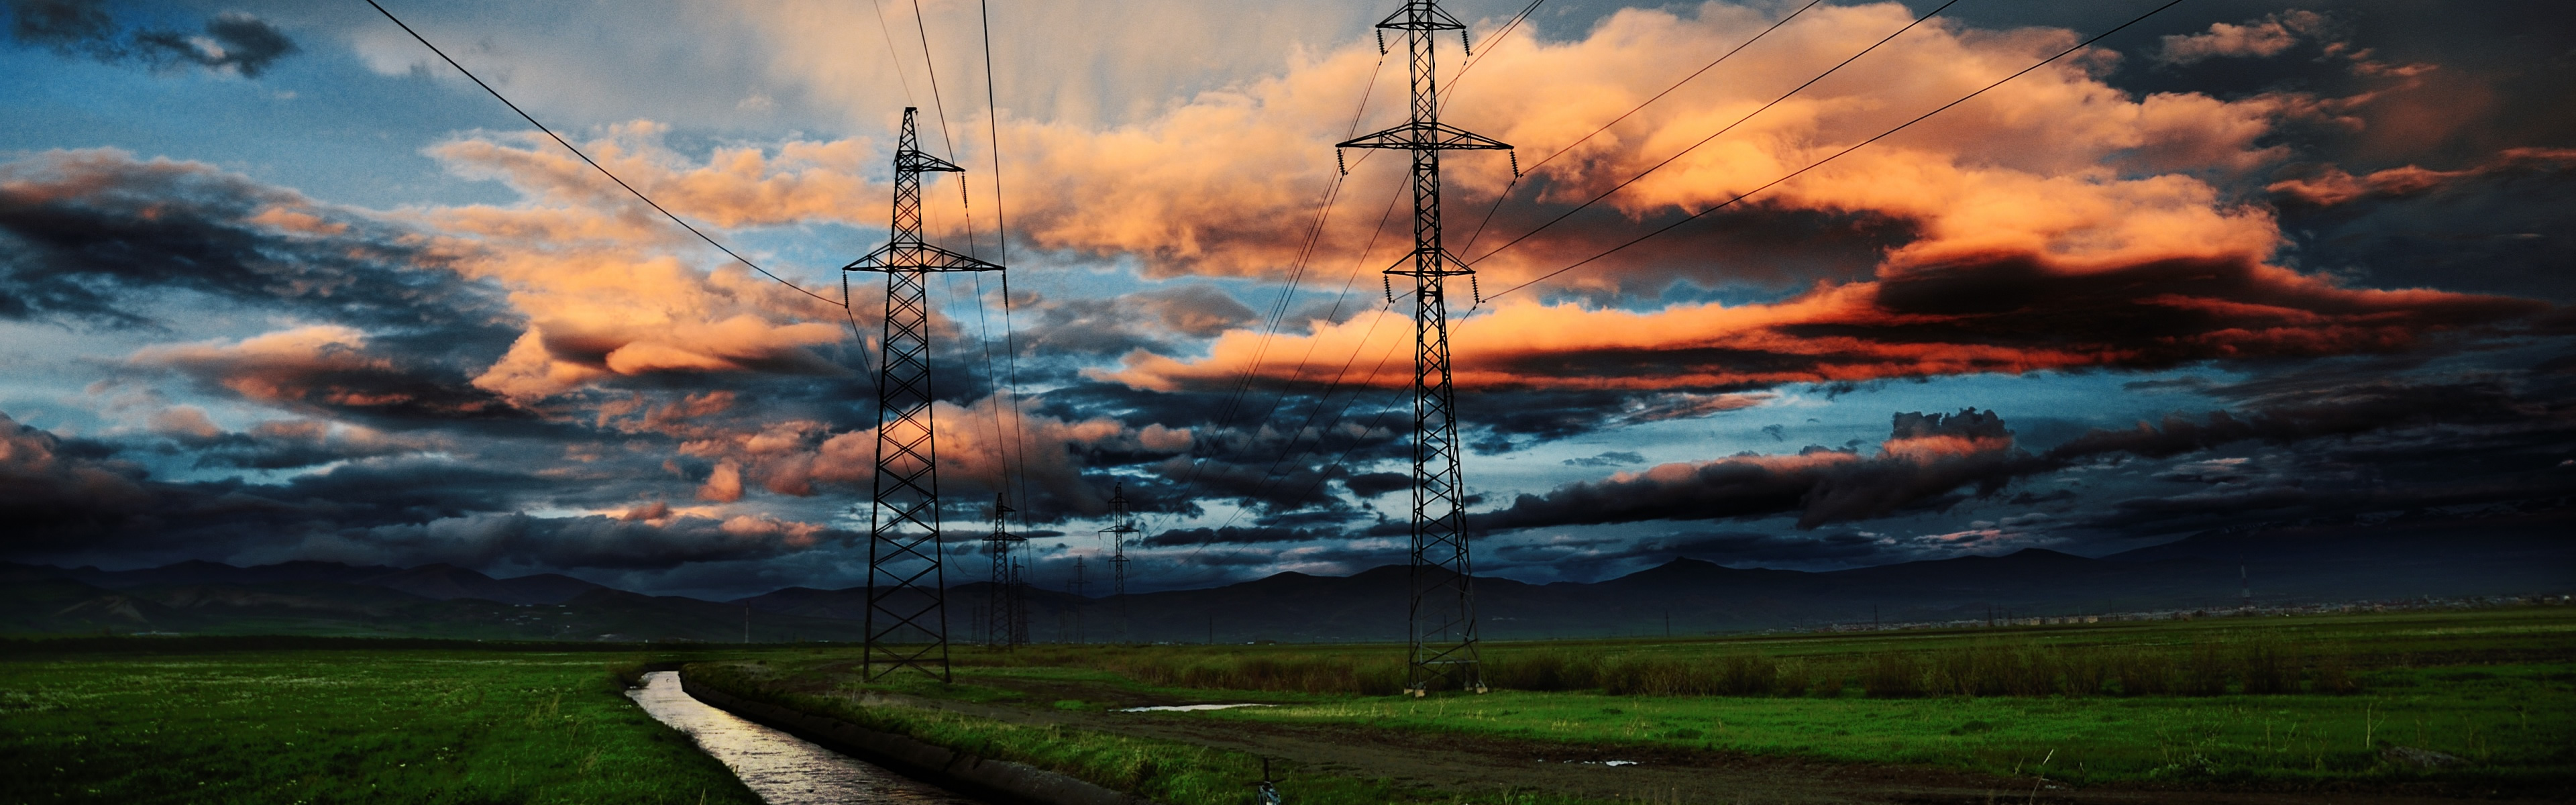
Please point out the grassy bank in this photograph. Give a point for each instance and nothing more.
(1165, 771)
(2306, 703)
(2320, 655)
(318, 726)
(2508, 726)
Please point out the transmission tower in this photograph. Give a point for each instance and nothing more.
(1121, 526)
(1441, 624)
(907, 620)
(1005, 609)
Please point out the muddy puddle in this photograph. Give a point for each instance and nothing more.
(783, 769)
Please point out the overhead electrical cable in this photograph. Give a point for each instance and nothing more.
(888, 32)
(1695, 74)
(1002, 232)
(1324, 208)
(1272, 326)
(603, 170)
(1705, 140)
(1499, 198)
(983, 325)
(1839, 154)
(1449, 92)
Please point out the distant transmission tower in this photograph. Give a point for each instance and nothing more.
(1442, 622)
(907, 620)
(1121, 526)
(1005, 609)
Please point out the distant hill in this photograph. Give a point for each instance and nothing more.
(2509, 553)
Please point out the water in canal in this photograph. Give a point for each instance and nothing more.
(783, 769)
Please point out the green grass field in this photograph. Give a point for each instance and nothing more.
(2299, 703)
(2286, 704)
(319, 726)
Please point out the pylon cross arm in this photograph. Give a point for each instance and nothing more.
(1430, 18)
(916, 161)
(1426, 135)
(917, 257)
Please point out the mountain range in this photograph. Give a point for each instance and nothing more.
(2522, 553)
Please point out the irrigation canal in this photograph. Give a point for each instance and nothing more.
(783, 769)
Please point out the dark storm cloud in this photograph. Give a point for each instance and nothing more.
(2287, 416)
(1235, 535)
(2504, 225)
(1608, 459)
(1926, 457)
(64, 502)
(490, 539)
(275, 445)
(1149, 320)
(1725, 547)
(1373, 484)
(1934, 461)
(90, 29)
(83, 234)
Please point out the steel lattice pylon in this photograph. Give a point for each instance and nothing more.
(1006, 614)
(907, 620)
(1441, 626)
(1122, 527)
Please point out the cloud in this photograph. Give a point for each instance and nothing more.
(277, 444)
(2267, 36)
(45, 490)
(325, 368)
(491, 539)
(1609, 459)
(2331, 186)
(86, 28)
(2000, 313)
(1928, 459)
(601, 280)
(86, 233)
(1924, 457)
(63, 504)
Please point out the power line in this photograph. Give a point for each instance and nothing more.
(1839, 154)
(1321, 401)
(639, 194)
(1332, 193)
(1705, 140)
(922, 28)
(1306, 252)
(1695, 74)
(1002, 232)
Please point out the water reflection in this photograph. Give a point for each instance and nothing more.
(783, 769)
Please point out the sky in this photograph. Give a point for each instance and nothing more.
(277, 284)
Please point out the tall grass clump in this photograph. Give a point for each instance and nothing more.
(1892, 675)
(1550, 670)
(2265, 666)
(2204, 671)
(2334, 672)
(1329, 673)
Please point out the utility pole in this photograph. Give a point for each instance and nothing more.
(907, 619)
(1121, 528)
(1005, 609)
(1441, 617)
